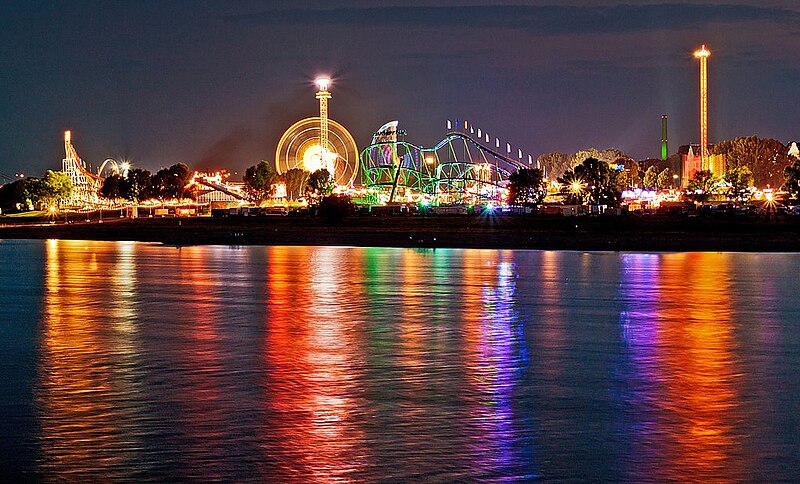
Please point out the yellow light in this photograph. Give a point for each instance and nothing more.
(68, 136)
(703, 52)
(125, 166)
(323, 83)
(280, 190)
(315, 158)
(52, 207)
(576, 187)
(429, 160)
(769, 196)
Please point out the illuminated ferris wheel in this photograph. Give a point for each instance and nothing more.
(319, 142)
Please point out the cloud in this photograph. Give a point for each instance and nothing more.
(535, 19)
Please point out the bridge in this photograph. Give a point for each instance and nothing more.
(461, 168)
(4, 178)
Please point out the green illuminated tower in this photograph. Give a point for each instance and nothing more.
(664, 147)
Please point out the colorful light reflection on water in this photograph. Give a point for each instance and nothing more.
(352, 364)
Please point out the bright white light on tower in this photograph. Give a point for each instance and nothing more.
(323, 83)
(703, 52)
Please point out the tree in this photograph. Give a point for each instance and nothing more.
(137, 185)
(740, 179)
(609, 155)
(112, 187)
(622, 181)
(160, 184)
(259, 180)
(792, 179)
(172, 182)
(526, 187)
(320, 183)
(16, 196)
(702, 184)
(664, 179)
(53, 188)
(650, 180)
(630, 178)
(334, 208)
(185, 176)
(592, 181)
(554, 164)
(295, 181)
(765, 157)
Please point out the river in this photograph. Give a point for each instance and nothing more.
(143, 362)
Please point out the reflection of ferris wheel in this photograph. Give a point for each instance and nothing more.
(300, 147)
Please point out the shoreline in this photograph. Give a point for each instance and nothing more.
(604, 233)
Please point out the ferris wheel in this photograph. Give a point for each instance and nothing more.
(301, 147)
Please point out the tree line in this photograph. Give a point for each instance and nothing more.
(30, 193)
(260, 181)
(138, 184)
(765, 158)
(596, 182)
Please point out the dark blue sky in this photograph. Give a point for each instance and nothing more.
(214, 84)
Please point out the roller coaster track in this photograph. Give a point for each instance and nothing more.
(457, 169)
(221, 188)
(85, 184)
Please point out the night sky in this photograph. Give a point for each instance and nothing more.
(215, 83)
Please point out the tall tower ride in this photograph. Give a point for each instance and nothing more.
(323, 95)
(703, 54)
(664, 147)
(316, 143)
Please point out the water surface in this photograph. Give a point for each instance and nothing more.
(135, 361)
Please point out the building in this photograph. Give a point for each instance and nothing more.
(793, 150)
(692, 162)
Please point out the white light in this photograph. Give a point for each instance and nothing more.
(323, 83)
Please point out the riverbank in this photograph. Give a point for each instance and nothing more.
(626, 233)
